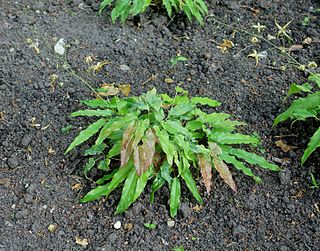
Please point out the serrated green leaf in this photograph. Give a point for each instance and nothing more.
(194, 125)
(114, 125)
(88, 166)
(95, 149)
(309, 103)
(180, 110)
(105, 190)
(191, 184)
(86, 134)
(104, 164)
(115, 150)
(295, 88)
(90, 113)
(174, 127)
(181, 100)
(313, 145)
(168, 7)
(104, 4)
(199, 149)
(167, 146)
(158, 182)
(315, 78)
(128, 192)
(175, 193)
(233, 138)
(253, 159)
(165, 171)
(142, 181)
(179, 139)
(302, 114)
(98, 103)
(153, 99)
(213, 118)
(138, 6)
(119, 9)
(159, 115)
(239, 165)
(166, 98)
(205, 101)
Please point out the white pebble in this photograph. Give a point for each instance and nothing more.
(170, 223)
(59, 48)
(117, 225)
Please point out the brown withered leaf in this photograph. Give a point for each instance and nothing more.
(221, 167)
(146, 152)
(136, 159)
(284, 147)
(225, 45)
(206, 170)
(108, 90)
(295, 47)
(225, 173)
(156, 160)
(127, 143)
(125, 89)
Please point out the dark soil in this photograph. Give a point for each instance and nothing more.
(36, 184)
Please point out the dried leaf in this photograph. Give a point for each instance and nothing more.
(76, 187)
(284, 147)
(225, 174)
(156, 160)
(82, 242)
(52, 228)
(97, 67)
(143, 155)
(88, 59)
(295, 47)
(128, 226)
(125, 89)
(221, 167)
(169, 80)
(206, 170)
(225, 45)
(127, 143)
(307, 40)
(108, 90)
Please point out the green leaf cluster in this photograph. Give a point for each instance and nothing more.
(122, 9)
(167, 140)
(304, 108)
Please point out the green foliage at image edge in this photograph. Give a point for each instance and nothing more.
(304, 108)
(122, 9)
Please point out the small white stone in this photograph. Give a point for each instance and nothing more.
(59, 48)
(117, 225)
(170, 223)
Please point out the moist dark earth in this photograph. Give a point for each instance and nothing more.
(39, 183)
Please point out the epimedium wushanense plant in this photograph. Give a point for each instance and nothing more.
(163, 139)
(304, 108)
(122, 9)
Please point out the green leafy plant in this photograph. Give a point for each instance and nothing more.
(304, 108)
(180, 248)
(150, 225)
(124, 8)
(177, 59)
(163, 139)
